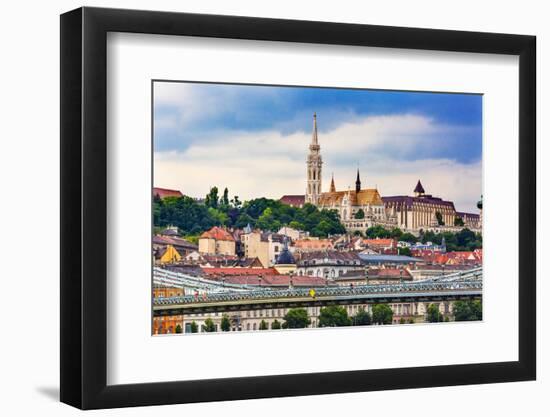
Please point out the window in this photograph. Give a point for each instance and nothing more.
(254, 326)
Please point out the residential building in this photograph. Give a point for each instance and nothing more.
(293, 234)
(217, 241)
(328, 264)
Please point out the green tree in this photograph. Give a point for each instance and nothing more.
(467, 310)
(276, 325)
(219, 216)
(225, 324)
(433, 314)
(458, 221)
(382, 314)
(360, 214)
(362, 318)
(396, 233)
(296, 318)
(405, 251)
(334, 316)
(194, 327)
(378, 231)
(211, 199)
(235, 202)
(225, 199)
(408, 237)
(439, 218)
(179, 329)
(296, 225)
(243, 220)
(208, 326)
(263, 325)
(184, 212)
(194, 239)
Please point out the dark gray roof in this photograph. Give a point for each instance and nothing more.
(285, 258)
(419, 188)
(408, 200)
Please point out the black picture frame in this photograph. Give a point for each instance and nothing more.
(84, 207)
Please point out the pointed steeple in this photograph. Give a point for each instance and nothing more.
(314, 138)
(419, 190)
(332, 186)
(358, 182)
(314, 167)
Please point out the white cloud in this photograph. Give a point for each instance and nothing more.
(271, 164)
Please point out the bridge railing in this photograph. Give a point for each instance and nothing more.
(378, 289)
(176, 279)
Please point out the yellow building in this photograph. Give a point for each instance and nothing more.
(217, 241)
(167, 254)
(256, 247)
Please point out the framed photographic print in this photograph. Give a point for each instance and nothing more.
(259, 208)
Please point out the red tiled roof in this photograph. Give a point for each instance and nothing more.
(240, 271)
(380, 242)
(165, 192)
(274, 280)
(293, 200)
(474, 257)
(217, 233)
(313, 244)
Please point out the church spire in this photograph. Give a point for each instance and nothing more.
(358, 182)
(314, 139)
(419, 190)
(314, 164)
(332, 186)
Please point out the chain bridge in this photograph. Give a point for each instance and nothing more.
(213, 296)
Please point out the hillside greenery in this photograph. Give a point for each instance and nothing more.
(192, 217)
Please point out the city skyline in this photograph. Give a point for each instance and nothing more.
(260, 134)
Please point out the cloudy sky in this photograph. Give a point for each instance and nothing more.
(254, 140)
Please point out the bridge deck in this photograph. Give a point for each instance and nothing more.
(302, 298)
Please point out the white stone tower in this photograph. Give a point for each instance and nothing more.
(314, 164)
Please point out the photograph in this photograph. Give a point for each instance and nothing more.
(298, 207)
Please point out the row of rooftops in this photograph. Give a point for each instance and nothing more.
(361, 197)
(371, 196)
